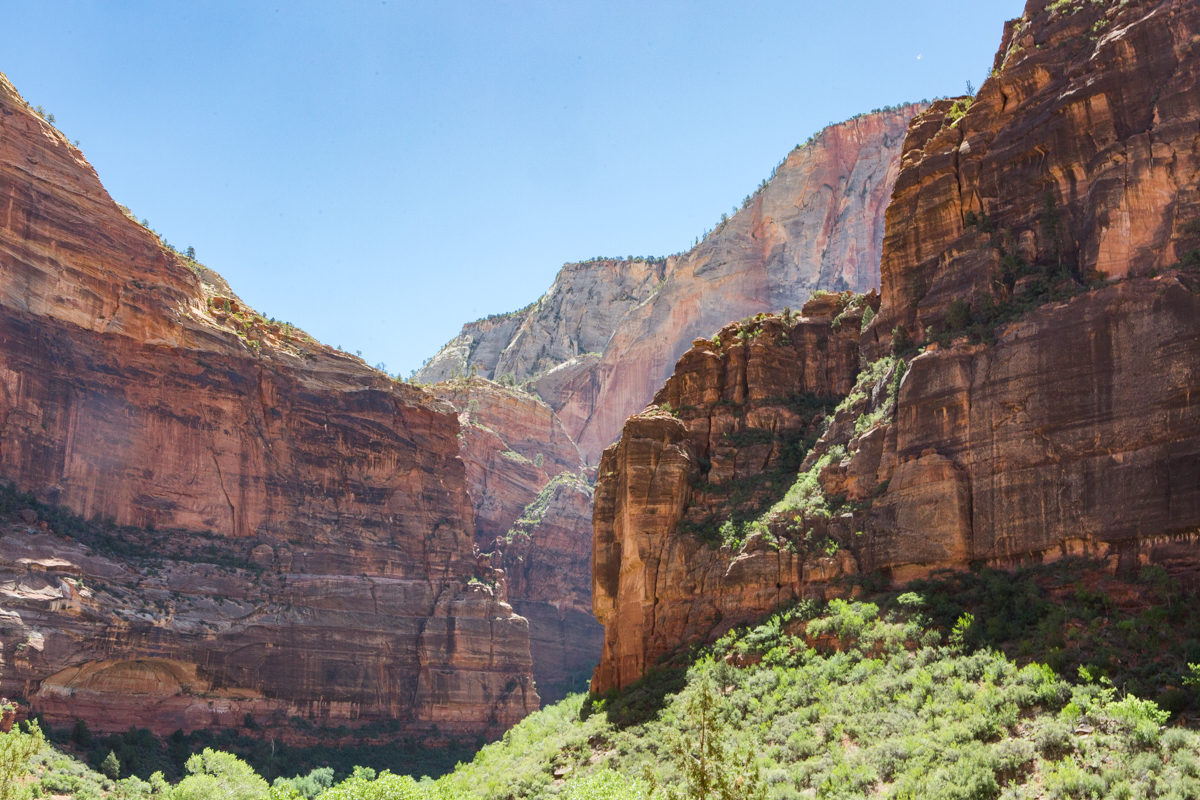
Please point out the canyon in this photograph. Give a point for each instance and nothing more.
(1019, 393)
(558, 378)
(252, 517)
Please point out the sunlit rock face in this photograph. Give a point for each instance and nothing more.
(330, 502)
(605, 337)
(1038, 255)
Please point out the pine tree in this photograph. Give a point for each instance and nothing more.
(111, 766)
(16, 748)
(712, 769)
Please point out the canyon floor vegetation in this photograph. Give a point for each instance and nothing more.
(1040, 683)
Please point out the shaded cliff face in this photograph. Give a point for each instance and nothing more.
(533, 520)
(1049, 414)
(136, 388)
(608, 333)
(547, 561)
(723, 445)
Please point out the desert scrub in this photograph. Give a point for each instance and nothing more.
(852, 699)
(859, 699)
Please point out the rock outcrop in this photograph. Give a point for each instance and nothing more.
(598, 345)
(136, 388)
(673, 557)
(1026, 386)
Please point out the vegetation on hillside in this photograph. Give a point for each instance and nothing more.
(976, 685)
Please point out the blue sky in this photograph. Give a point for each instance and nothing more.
(381, 172)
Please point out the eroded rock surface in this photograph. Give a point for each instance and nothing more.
(135, 387)
(533, 519)
(724, 442)
(1040, 286)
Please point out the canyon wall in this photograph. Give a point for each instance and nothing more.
(598, 345)
(1025, 385)
(533, 520)
(136, 389)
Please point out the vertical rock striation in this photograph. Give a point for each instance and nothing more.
(1025, 392)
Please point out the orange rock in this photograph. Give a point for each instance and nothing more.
(124, 397)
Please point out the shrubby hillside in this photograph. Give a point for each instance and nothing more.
(941, 691)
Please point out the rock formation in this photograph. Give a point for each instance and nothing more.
(1026, 386)
(721, 446)
(605, 337)
(533, 519)
(512, 443)
(136, 388)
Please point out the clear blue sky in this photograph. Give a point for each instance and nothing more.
(381, 172)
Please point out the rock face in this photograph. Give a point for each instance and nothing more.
(728, 434)
(533, 517)
(134, 387)
(547, 560)
(608, 333)
(1041, 247)
(512, 443)
(1079, 150)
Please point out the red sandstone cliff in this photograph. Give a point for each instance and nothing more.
(720, 448)
(135, 388)
(1049, 414)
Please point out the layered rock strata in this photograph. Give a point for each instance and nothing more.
(1040, 287)
(135, 387)
(817, 224)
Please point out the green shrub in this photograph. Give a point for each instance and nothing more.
(214, 774)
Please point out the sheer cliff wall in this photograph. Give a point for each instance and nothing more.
(135, 388)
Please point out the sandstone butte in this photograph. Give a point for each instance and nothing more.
(1046, 413)
(302, 537)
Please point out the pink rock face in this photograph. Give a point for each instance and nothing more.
(818, 225)
(599, 344)
(135, 387)
(512, 443)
